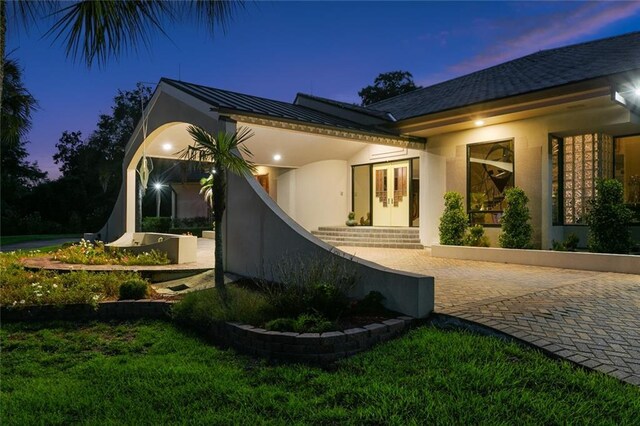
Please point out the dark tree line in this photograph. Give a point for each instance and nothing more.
(82, 198)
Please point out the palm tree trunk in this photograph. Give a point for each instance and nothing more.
(219, 206)
(3, 42)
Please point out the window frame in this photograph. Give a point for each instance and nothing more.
(468, 193)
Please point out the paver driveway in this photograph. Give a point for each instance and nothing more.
(591, 318)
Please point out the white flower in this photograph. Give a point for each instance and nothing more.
(55, 285)
(38, 294)
(15, 302)
(22, 302)
(96, 297)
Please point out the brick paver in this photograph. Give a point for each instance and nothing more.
(590, 318)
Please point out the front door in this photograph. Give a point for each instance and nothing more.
(391, 194)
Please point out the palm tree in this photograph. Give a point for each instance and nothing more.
(223, 154)
(95, 30)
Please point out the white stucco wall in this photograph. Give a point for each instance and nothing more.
(315, 194)
(532, 164)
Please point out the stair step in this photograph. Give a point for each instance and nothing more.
(372, 240)
(375, 244)
(324, 234)
(369, 229)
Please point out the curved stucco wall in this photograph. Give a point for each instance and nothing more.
(315, 194)
(166, 108)
(258, 234)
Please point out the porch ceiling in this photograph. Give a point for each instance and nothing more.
(297, 148)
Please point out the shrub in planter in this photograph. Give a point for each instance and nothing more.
(569, 244)
(372, 303)
(281, 324)
(312, 323)
(516, 229)
(609, 219)
(476, 238)
(134, 289)
(453, 222)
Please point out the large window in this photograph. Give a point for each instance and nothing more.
(627, 171)
(490, 174)
(577, 163)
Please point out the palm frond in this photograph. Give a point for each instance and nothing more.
(17, 104)
(215, 13)
(96, 30)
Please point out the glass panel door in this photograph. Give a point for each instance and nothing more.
(391, 194)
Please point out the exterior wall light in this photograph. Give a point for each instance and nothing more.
(167, 146)
(637, 91)
(479, 123)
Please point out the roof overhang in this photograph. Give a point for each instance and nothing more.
(507, 109)
(359, 136)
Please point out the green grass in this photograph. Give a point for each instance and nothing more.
(15, 239)
(154, 373)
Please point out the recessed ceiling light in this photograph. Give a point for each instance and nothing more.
(479, 122)
(167, 146)
(277, 157)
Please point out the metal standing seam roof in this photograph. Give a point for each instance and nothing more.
(240, 102)
(542, 70)
(353, 107)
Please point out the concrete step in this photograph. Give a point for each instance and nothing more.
(368, 239)
(327, 234)
(375, 244)
(365, 229)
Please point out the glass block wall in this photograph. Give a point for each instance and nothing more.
(586, 158)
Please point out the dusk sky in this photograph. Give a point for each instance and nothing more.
(330, 49)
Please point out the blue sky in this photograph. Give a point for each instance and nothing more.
(330, 49)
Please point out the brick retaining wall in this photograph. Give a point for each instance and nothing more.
(313, 348)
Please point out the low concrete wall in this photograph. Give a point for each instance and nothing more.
(626, 264)
(179, 248)
(258, 234)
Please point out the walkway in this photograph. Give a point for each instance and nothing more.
(590, 318)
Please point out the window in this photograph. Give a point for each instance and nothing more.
(362, 194)
(627, 171)
(577, 163)
(490, 174)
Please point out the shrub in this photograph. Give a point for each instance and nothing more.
(134, 289)
(206, 307)
(608, 219)
(309, 286)
(372, 303)
(326, 300)
(453, 222)
(571, 242)
(475, 237)
(313, 323)
(156, 224)
(516, 229)
(281, 324)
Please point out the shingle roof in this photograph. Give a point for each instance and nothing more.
(538, 71)
(268, 107)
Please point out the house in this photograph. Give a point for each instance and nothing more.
(552, 123)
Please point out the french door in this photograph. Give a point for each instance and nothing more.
(390, 194)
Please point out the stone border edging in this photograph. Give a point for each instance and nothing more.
(117, 309)
(313, 348)
(448, 321)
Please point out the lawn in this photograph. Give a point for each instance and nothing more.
(15, 239)
(154, 373)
